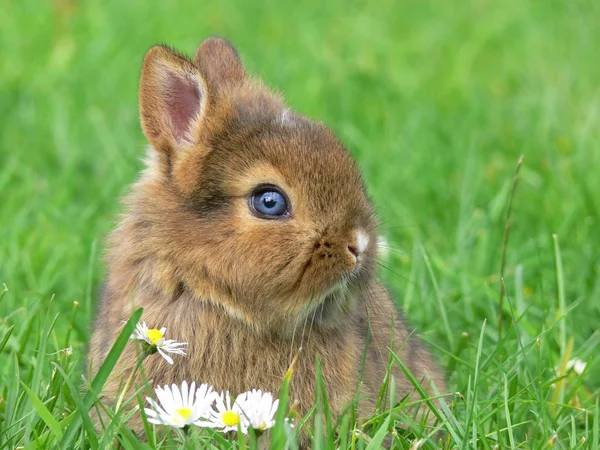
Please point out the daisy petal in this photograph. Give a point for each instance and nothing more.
(177, 406)
(184, 393)
(165, 356)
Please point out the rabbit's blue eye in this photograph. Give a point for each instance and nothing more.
(269, 203)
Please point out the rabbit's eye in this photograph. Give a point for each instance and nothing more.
(269, 203)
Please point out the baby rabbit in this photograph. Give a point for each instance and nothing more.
(250, 236)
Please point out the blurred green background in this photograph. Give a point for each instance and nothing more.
(436, 99)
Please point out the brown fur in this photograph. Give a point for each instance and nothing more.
(246, 293)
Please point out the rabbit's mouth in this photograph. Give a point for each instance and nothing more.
(333, 307)
(330, 282)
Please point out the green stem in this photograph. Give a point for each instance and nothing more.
(140, 360)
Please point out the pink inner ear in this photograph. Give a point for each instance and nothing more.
(182, 99)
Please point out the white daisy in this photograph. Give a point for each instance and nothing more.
(259, 409)
(156, 342)
(577, 365)
(177, 408)
(226, 417)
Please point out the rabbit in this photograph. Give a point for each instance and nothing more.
(250, 236)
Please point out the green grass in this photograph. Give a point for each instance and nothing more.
(436, 99)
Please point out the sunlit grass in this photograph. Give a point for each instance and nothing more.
(437, 100)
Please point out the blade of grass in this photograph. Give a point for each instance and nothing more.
(472, 406)
(558, 394)
(75, 309)
(528, 371)
(451, 424)
(278, 437)
(88, 291)
(596, 426)
(116, 418)
(343, 433)
(88, 427)
(43, 412)
(103, 374)
(323, 405)
(129, 441)
(382, 432)
(438, 297)
(511, 437)
(5, 338)
(317, 438)
(383, 391)
(562, 307)
(505, 237)
(36, 378)
(241, 438)
(147, 426)
(46, 437)
(573, 433)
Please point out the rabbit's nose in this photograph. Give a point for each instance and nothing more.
(360, 243)
(354, 250)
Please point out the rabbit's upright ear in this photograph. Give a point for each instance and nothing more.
(173, 99)
(220, 63)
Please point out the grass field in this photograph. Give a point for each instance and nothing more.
(437, 100)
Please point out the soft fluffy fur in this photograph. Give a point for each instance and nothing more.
(247, 293)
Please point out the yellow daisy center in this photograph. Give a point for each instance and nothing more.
(231, 419)
(182, 414)
(154, 335)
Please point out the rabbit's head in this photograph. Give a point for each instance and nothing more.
(252, 207)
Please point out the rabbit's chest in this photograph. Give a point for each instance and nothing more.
(233, 360)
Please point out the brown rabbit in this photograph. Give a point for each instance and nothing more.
(249, 236)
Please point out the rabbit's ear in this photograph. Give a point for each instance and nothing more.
(173, 99)
(220, 62)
